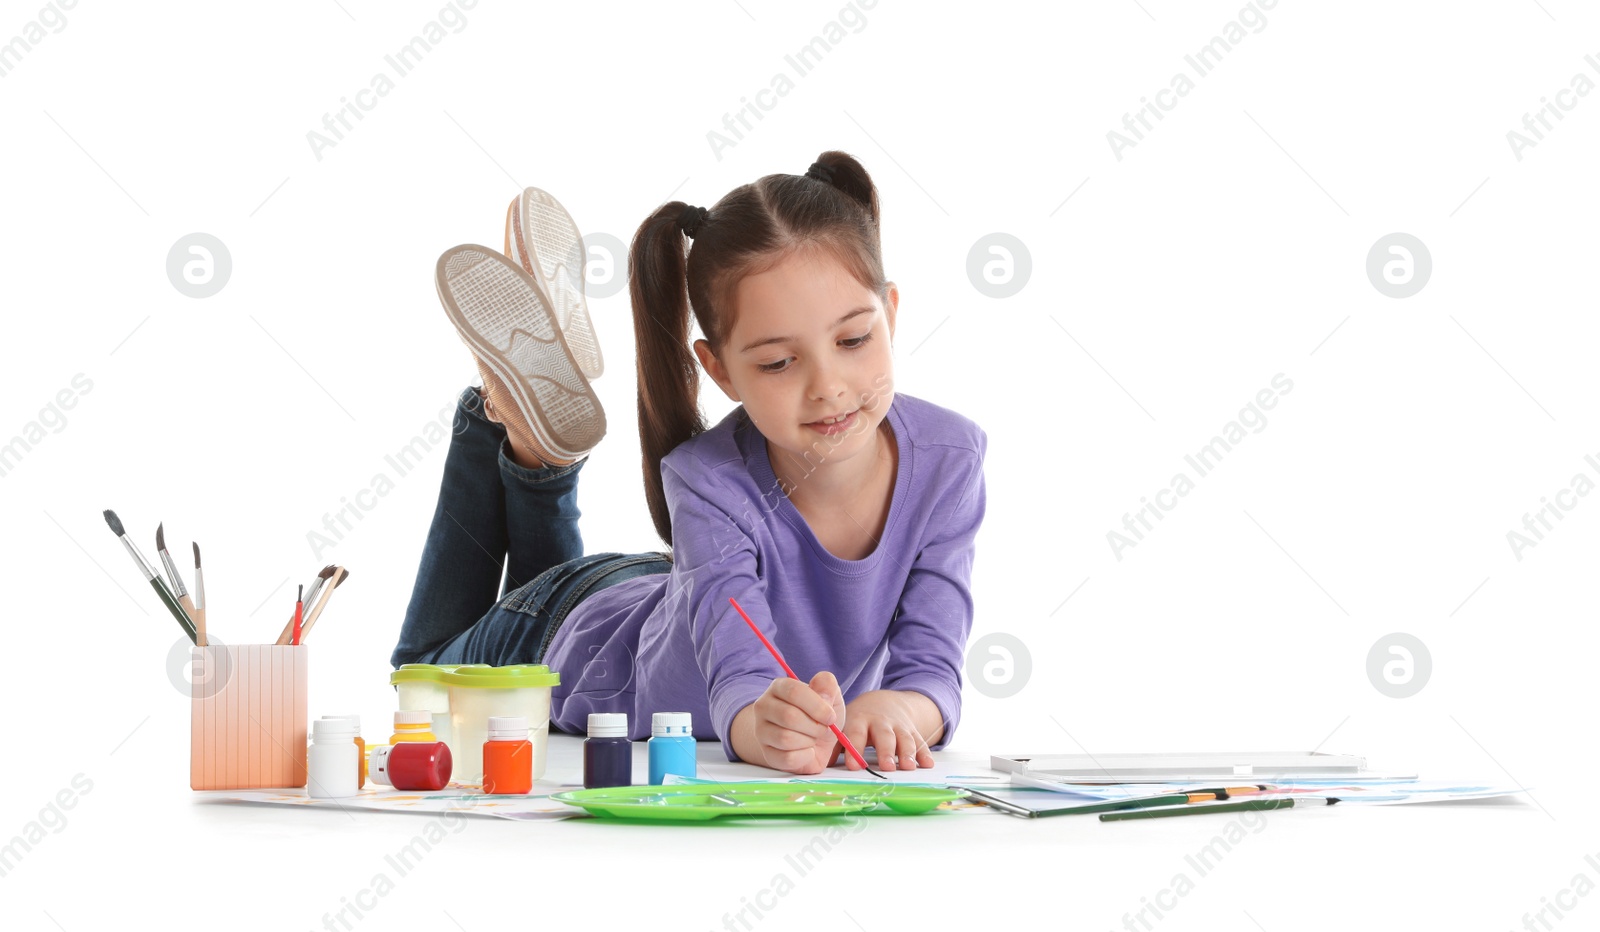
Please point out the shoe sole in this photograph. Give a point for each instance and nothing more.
(542, 237)
(503, 316)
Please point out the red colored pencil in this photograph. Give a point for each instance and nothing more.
(299, 606)
(779, 657)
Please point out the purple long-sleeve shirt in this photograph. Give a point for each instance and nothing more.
(896, 619)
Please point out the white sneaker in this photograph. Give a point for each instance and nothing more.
(531, 380)
(543, 239)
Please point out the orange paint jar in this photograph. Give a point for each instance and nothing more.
(507, 756)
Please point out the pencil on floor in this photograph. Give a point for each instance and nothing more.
(1197, 809)
(1186, 797)
(999, 805)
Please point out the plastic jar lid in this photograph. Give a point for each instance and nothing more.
(508, 727)
(333, 728)
(669, 724)
(354, 720)
(516, 676)
(413, 717)
(608, 724)
(425, 672)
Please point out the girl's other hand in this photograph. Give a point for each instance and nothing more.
(883, 719)
(791, 723)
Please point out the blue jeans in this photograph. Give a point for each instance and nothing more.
(495, 516)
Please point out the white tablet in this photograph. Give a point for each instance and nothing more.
(1182, 766)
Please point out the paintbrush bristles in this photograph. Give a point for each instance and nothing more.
(318, 583)
(115, 522)
(161, 537)
(196, 554)
(340, 573)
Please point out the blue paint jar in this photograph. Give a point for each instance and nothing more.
(607, 752)
(671, 746)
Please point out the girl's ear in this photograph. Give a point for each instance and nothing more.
(890, 306)
(716, 370)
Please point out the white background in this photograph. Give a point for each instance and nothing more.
(1167, 288)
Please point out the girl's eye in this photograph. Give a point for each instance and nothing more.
(783, 364)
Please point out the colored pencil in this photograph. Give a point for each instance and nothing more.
(779, 657)
(1009, 808)
(1188, 797)
(299, 606)
(1114, 805)
(1242, 806)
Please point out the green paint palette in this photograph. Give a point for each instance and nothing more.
(702, 801)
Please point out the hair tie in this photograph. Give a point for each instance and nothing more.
(690, 218)
(820, 172)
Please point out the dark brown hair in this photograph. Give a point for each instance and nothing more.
(753, 228)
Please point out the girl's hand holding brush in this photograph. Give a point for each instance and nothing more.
(824, 684)
(789, 724)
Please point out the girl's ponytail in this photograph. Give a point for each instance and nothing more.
(669, 380)
(845, 173)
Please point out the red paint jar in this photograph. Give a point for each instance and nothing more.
(413, 765)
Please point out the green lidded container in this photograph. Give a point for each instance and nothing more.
(479, 691)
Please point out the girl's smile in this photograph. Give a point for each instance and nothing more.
(834, 425)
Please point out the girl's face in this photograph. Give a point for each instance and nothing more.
(810, 345)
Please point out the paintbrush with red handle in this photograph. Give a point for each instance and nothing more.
(779, 657)
(286, 636)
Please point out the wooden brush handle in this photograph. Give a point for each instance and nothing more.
(196, 617)
(288, 633)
